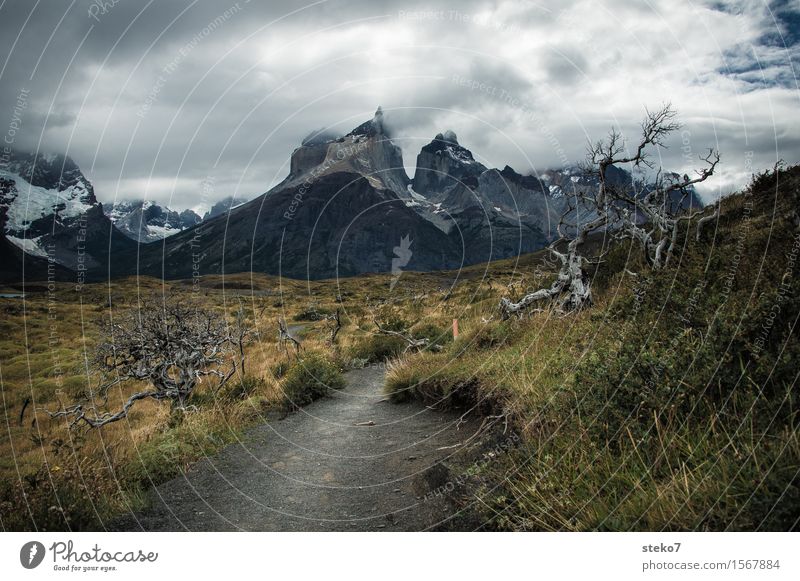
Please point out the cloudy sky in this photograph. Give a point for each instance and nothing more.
(153, 99)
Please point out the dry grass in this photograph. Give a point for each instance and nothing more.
(52, 478)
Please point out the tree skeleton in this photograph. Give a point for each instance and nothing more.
(617, 210)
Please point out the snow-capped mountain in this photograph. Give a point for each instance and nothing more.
(33, 190)
(146, 221)
(571, 180)
(48, 209)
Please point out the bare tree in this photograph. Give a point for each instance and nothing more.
(571, 289)
(170, 346)
(335, 326)
(285, 337)
(652, 217)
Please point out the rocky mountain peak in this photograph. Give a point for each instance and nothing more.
(40, 190)
(444, 164)
(372, 127)
(449, 136)
(145, 221)
(54, 172)
(367, 150)
(48, 210)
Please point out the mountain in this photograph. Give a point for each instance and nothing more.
(342, 210)
(346, 207)
(571, 180)
(17, 266)
(492, 213)
(443, 166)
(221, 207)
(48, 210)
(146, 221)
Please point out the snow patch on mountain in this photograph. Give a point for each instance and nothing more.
(415, 196)
(27, 203)
(145, 221)
(29, 245)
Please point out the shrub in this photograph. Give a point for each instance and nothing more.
(241, 389)
(377, 348)
(435, 335)
(158, 460)
(311, 313)
(253, 408)
(166, 454)
(310, 378)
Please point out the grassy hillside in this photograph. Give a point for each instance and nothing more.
(670, 404)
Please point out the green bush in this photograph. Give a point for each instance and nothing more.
(168, 453)
(377, 348)
(311, 313)
(158, 460)
(238, 389)
(436, 336)
(309, 378)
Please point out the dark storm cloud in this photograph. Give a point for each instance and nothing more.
(152, 98)
(565, 65)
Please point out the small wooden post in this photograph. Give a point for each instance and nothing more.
(455, 328)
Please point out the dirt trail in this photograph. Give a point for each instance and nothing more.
(316, 470)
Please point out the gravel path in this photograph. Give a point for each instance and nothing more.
(317, 470)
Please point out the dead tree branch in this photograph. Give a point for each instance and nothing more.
(171, 346)
(652, 217)
(411, 342)
(335, 326)
(285, 337)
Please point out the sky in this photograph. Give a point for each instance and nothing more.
(188, 101)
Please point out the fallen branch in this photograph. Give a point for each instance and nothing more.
(416, 344)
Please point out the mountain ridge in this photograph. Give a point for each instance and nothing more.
(345, 204)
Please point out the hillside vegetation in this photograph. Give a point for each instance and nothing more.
(671, 404)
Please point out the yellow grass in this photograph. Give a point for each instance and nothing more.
(46, 348)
